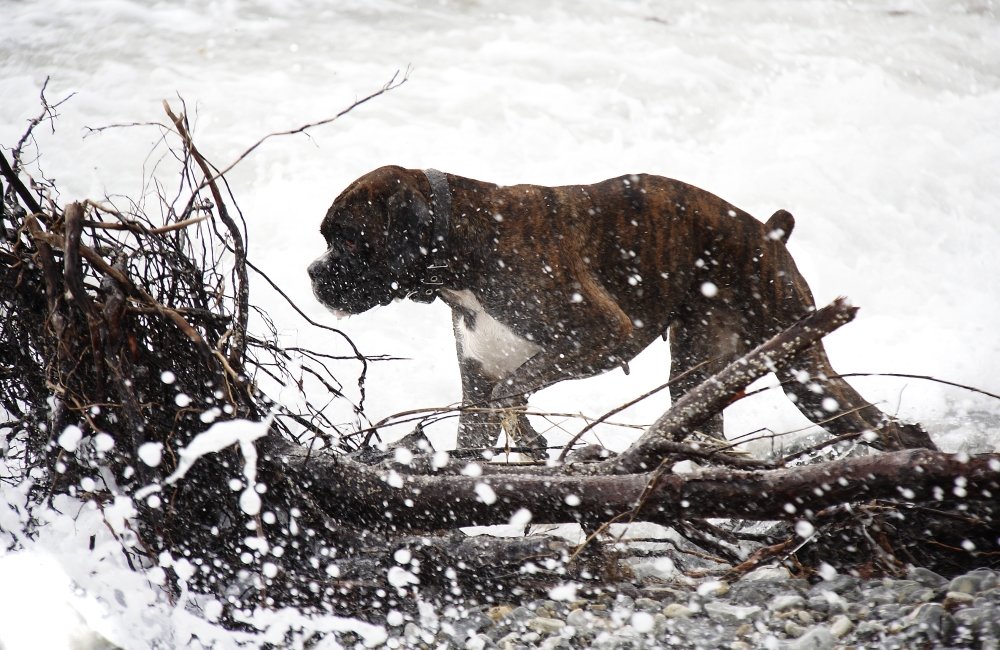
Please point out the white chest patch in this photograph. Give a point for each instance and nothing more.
(487, 340)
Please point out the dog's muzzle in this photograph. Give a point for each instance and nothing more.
(316, 270)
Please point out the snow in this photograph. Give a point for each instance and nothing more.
(103, 442)
(804, 529)
(565, 591)
(485, 494)
(642, 622)
(401, 578)
(520, 518)
(874, 122)
(826, 571)
(43, 612)
(473, 470)
(403, 456)
(218, 437)
(151, 453)
(70, 438)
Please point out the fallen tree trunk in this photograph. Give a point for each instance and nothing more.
(366, 497)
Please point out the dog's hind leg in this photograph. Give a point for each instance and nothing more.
(703, 341)
(826, 399)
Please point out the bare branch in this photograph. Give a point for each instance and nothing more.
(395, 82)
(712, 395)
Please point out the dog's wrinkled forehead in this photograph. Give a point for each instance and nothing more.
(369, 206)
(360, 209)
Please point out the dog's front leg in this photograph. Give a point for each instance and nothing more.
(480, 421)
(481, 418)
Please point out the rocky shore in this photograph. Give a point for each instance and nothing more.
(767, 608)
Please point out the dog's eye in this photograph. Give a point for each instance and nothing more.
(351, 245)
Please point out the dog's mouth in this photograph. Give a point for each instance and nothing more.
(350, 289)
(339, 314)
(343, 302)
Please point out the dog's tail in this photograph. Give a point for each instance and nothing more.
(779, 226)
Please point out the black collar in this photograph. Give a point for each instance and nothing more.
(440, 218)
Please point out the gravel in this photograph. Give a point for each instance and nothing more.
(765, 609)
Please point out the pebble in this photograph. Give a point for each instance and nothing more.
(966, 584)
(880, 596)
(713, 589)
(521, 614)
(730, 613)
(510, 641)
(926, 577)
(988, 579)
(956, 599)
(834, 602)
(920, 611)
(935, 621)
(471, 624)
(919, 595)
(818, 638)
(661, 594)
(758, 592)
(888, 612)
(840, 626)
(839, 584)
(676, 610)
(976, 616)
(647, 604)
(818, 604)
(624, 602)
(770, 573)
(793, 629)
(578, 618)
(545, 625)
(479, 642)
(869, 628)
(786, 601)
(554, 643)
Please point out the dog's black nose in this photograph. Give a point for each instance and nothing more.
(315, 270)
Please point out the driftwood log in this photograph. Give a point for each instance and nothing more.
(110, 318)
(598, 491)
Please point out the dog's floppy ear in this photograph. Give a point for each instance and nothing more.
(407, 226)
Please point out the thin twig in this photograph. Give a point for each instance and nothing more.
(238, 348)
(142, 229)
(618, 409)
(392, 84)
(901, 375)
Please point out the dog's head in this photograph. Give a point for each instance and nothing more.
(377, 234)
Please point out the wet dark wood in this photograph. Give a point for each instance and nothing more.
(366, 496)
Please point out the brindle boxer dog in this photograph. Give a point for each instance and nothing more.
(553, 283)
